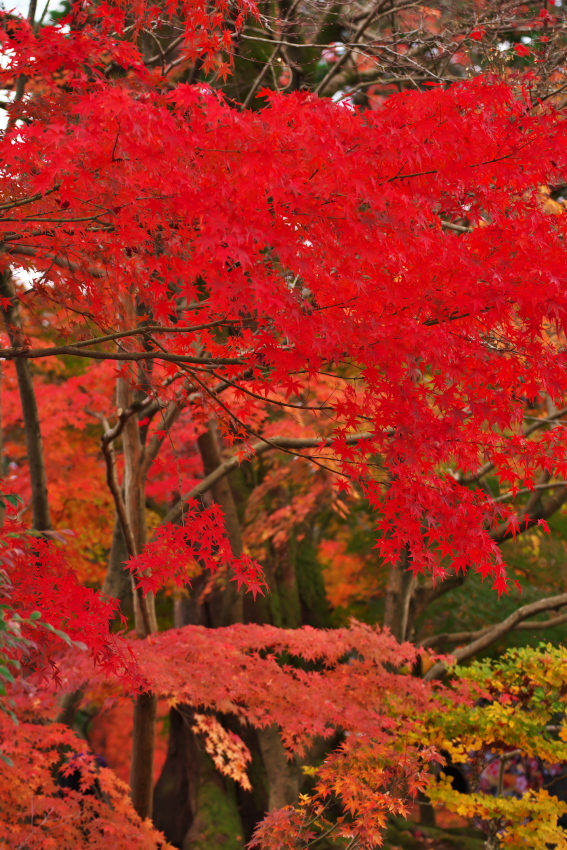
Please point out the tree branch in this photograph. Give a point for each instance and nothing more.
(30, 411)
(289, 444)
(537, 488)
(498, 631)
(149, 329)
(425, 594)
(152, 450)
(460, 637)
(32, 353)
(278, 46)
(364, 24)
(108, 451)
(544, 511)
(63, 262)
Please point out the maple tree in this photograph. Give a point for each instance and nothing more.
(293, 279)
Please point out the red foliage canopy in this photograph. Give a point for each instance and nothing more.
(308, 683)
(335, 256)
(241, 259)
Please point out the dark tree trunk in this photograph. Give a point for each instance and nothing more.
(175, 792)
(36, 460)
(143, 749)
(118, 580)
(225, 604)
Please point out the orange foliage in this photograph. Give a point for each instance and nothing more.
(347, 577)
(38, 814)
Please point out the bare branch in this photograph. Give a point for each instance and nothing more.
(546, 509)
(32, 353)
(372, 15)
(37, 197)
(498, 631)
(151, 451)
(267, 65)
(462, 637)
(537, 488)
(148, 329)
(289, 444)
(62, 262)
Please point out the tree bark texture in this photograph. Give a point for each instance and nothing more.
(283, 775)
(143, 741)
(225, 604)
(143, 749)
(118, 581)
(34, 443)
(398, 598)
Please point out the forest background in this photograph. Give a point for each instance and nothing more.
(284, 300)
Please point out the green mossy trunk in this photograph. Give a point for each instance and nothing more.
(217, 823)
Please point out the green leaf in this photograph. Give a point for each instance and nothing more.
(5, 673)
(13, 499)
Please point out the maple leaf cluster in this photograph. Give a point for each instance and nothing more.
(49, 608)
(174, 551)
(37, 812)
(443, 334)
(309, 684)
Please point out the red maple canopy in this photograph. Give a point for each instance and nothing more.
(299, 274)
(230, 258)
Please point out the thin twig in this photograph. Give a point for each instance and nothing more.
(535, 426)
(268, 64)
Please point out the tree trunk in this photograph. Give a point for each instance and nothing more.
(401, 586)
(118, 581)
(135, 492)
(225, 605)
(283, 775)
(175, 792)
(36, 460)
(181, 803)
(143, 741)
(143, 751)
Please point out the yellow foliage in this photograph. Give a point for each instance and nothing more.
(500, 709)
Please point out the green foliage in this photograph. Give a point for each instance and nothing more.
(311, 587)
(409, 836)
(218, 822)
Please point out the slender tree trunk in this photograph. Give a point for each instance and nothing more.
(177, 792)
(283, 775)
(226, 604)
(118, 582)
(177, 796)
(401, 585)
(145, 708)
(36, 460)
(143, 752)
(135, 493)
